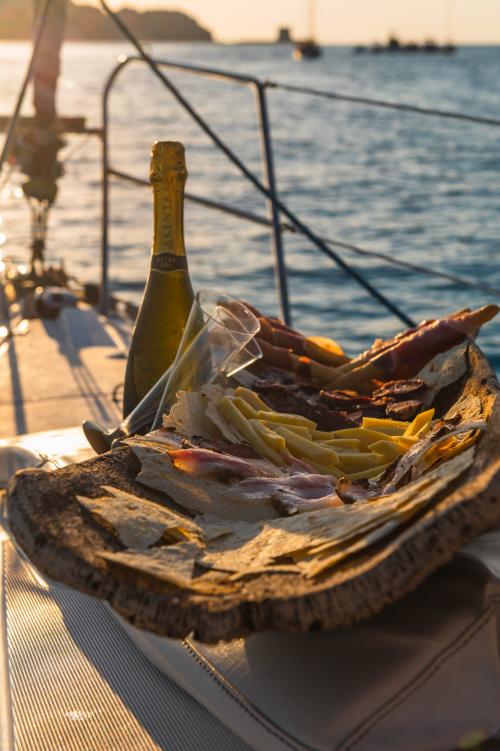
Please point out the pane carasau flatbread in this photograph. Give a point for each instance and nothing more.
(139, 523)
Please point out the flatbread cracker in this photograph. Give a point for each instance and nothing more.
(259, 545)
(172, 564)
(324, 558)
(252, 547)
(212, 527)
(188, 417)
(137, 522)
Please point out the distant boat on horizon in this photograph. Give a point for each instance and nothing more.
(308, 49)
(393, 45)
(429, 46)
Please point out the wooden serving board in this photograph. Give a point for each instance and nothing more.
(62, 539)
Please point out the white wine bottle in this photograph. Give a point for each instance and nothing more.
(168, 294)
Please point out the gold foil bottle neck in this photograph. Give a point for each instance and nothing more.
(168, 162)
(168, 178)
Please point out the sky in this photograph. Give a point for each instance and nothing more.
(339, 21)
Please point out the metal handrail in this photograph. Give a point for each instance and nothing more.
(275, 205)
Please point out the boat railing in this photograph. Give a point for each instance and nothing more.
(276, 207)
(280, 218)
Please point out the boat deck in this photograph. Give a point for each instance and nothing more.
(71, 679)
(63, 371)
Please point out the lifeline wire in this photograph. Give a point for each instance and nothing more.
(369, 102)
(285, 227)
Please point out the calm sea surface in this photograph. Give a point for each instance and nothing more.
(421, 189)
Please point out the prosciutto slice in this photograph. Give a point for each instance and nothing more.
(289, 495)
(304, 485)
(288, 504)
(252, 485)
(408, 352)
(206, 463)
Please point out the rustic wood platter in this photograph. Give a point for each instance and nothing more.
(66, 542)
(240, 516)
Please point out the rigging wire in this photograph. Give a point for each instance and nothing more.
(296, 222)
(41, 20)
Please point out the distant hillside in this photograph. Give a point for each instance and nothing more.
(87, 23)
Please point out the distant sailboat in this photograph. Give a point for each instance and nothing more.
(308, 49)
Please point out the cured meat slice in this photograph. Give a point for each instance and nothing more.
(289, 495)
(289, 504)
(401, 390)
(305, 486)
(299, 399)
(409, 352)
(203, 462)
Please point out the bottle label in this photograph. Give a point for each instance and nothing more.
(168, 223)
(168, 262)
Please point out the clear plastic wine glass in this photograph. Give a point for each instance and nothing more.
(218, 341)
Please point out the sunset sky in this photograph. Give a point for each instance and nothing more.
(339, 21)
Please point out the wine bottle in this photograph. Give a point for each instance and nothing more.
(168, 294)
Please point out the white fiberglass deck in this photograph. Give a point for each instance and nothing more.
(70, 677)
(62, 372)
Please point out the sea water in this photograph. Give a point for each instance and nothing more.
(420, 189)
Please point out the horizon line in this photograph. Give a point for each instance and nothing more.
(269, 42)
